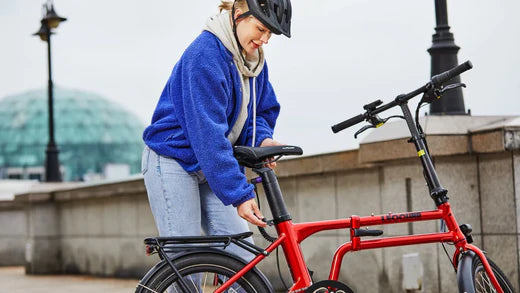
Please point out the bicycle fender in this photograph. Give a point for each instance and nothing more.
(148, 275)
(465, 271)
(163, 263)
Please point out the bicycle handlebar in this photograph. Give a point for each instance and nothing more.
(347, 123)
(435, 81)
(447, 75)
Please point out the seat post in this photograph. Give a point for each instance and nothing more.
(273, 195)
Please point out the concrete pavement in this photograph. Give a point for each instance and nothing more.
(14, 280)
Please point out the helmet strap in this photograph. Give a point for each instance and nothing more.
(240, 48)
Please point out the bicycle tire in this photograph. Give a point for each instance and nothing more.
(200, 268)
(476, 280)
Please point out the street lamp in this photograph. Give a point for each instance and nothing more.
(443, 57)
(50, 20)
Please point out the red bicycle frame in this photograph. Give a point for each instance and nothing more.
(292, 234)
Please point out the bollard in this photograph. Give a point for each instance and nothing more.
(412, 273)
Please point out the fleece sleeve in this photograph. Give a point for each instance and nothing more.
(206, 91)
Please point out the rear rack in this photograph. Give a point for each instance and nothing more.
(181, 243)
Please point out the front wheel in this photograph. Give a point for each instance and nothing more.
(472, 276)
(202, 272)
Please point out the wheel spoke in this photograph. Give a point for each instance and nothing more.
(194, 285)
(174, 288)
(204, 273)
(483, 281)
(478, 282)
(205, 279)
(149, 289)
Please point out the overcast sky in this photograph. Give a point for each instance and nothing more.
(343, 54)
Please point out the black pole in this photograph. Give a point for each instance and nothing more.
(443, 57)
(52, 164)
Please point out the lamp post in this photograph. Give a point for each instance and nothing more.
(444, 56)
(50, 20)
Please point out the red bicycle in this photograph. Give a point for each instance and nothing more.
(200, 265)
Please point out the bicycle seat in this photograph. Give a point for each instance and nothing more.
(253, 156)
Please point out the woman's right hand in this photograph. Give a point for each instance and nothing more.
(270, 142)
(249, 211)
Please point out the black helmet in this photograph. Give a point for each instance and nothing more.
(274, 14)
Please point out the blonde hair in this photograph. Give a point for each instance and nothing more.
(228, 5)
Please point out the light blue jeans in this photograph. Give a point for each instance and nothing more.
(183, 204)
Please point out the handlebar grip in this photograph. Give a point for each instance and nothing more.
(347, 123)
(447, 75)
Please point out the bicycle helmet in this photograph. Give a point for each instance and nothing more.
(274, 14)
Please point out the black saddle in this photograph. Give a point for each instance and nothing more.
(253, 157)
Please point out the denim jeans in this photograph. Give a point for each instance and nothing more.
(183, 204)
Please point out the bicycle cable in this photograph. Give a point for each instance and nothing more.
(421, 132)
(443, 229)
(263, 232)
(280, 271)
(271, 239)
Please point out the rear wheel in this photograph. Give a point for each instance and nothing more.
(203, 272)
(480, 281)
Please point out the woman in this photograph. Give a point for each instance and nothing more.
(217, 96)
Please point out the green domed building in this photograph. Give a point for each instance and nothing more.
(90, 131)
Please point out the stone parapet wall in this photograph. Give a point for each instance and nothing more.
(12, 233)
(99, 229)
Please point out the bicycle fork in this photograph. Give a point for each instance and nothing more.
(439, 194)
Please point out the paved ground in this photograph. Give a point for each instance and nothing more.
(14, 280)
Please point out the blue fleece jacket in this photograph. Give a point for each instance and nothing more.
(198, 108)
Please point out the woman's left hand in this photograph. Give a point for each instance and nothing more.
(270, 142)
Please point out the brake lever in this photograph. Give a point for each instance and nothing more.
(364, 128)
(376, 122)
(451, 87)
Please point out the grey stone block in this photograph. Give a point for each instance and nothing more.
(497, 194)
(94, 214)
(67, 218)
(12, 250)
(145, 222)
(393, 193)
(460, 176)
(290, 194)
(95, 252)
(42, 220)
(12, 237)
(130, 264)
(13, 223)
(111, 217)
(316, 198)
(358, 193)
(128, 213)
(43, 255)
(74, 255)
(516, 171)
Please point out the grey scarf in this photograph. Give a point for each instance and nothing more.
(220, 25)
